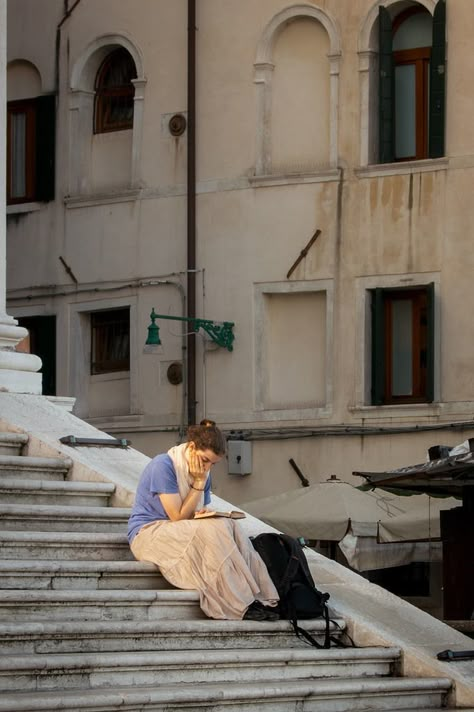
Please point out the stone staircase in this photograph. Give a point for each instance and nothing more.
(85, 627)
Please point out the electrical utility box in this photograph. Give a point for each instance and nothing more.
(239, 453)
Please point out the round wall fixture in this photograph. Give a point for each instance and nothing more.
(174, 373)
(177, 125)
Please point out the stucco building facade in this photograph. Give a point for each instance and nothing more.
(325, 211)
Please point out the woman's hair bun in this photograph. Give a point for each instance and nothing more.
(207, 436)
(207, 423)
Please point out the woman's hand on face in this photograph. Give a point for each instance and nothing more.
(197, 468)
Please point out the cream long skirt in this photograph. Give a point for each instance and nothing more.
(214, 556)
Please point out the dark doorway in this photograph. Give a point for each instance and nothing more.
(42, 342)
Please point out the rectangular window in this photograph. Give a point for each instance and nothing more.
(21, 151)
(402, 345)
(31, 149)
(110, 341)
(412, 103)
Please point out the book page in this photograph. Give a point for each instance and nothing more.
(233, 514)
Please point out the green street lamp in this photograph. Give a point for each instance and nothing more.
(153, 338)
(220, 332)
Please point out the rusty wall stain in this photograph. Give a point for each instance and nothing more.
(374, 184)
(386, 191)
(398, 188)
(426, 193)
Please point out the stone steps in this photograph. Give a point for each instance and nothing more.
(101, 670)
(22, 638)
(35, 491)
(67, 546)
(85, 627)
(331, 695)
(46, 518)
(12, 443)
(80, 575)
(105, 605)
(34, 468)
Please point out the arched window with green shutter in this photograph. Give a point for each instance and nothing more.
(438, 82)
(412, 79)
(386, 78)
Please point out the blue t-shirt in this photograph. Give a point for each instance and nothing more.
(159, 477)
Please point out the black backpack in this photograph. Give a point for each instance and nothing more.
(299, 598)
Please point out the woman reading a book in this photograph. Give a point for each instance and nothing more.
(212, 555)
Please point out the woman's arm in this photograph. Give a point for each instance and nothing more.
(176, 509)
(174, 506)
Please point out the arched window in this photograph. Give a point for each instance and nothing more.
(31, 119)
(114, 92)
(411, 83)
(412, 32)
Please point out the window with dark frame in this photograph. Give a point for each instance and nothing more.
(21, 151)
(412, 82)
(411, 103)
(30, 161)
(110, 341)
(114, 93)
(403, 345)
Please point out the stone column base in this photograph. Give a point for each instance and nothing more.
(18, 371)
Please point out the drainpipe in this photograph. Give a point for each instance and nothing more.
(191, 209)
(66, 15)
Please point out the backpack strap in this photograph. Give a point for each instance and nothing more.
(297, 560)
(307, 637)
(328, 638)
(291, 569)
(344, 632)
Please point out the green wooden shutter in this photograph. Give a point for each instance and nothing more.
(45, 146)
(378, 347)
(438, 82)
(386, 89)
(430, 294)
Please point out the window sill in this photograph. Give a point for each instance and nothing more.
(86, 201)
(402, 168)
(323, 176)
(19, 208)
(399, 410)
(121, 421)
(111, 376)
(292, 414)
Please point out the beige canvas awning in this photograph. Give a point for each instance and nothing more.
(336, 511)
(326, 510)
(420, 524)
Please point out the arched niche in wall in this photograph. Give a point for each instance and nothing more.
(103, 161)
(23, 80)
(297, 78)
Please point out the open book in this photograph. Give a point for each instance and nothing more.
(234, 514)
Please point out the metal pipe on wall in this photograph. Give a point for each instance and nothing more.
(191, 211)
